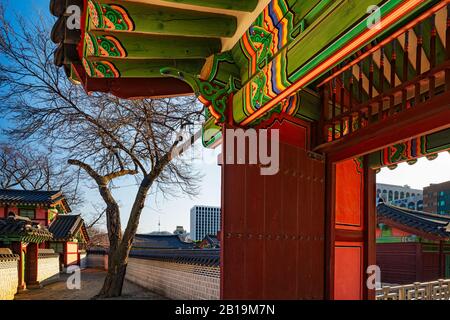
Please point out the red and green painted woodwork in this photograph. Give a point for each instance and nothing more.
(281, 58)
(387, 234)
(128, 39)
(238, 5)
(272, 55)
(409, 151)
(213, 92)
(273, 61)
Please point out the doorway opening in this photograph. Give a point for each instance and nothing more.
(413, 219)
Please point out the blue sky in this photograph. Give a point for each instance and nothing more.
(175, 211)
(27, 7)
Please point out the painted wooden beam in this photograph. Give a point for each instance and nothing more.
(308, 10)
(146, 18)
(338, 18)
(135, 68)
(132, 45)
(132, 88)
(429, 117)
(306, 62)
(238, 5)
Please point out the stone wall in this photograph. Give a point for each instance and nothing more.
(83, 260)
(8, 275)
(48, 266)
(97, 261)
(175, 280)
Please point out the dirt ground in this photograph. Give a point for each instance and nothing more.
(91, 283)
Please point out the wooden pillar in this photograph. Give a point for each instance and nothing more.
(350, 238)
(64, 255)
(330, 196)
(441, 269)
(419, 262)
(369, 224)
(31, 270)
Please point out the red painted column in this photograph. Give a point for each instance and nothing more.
(351, 224)
(370, 224)
(32, 265)
(65, 255)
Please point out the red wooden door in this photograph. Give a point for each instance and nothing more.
(273, 227)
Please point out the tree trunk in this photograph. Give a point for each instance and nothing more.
(113, 284)
(120, 250)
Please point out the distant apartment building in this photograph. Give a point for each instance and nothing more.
(402, 196)
(205, 220)
(436, 198)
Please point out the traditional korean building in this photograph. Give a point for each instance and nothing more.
(210, 242)
(412, 246)
(47, 212)
(350, 85)
(39, 206)
(23, 237)
(69, 238)
(153, 241)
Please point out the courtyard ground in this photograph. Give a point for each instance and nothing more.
(91, 283)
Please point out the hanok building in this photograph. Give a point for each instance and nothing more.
(69, 238)
(31, 221)
(39, 206)
(23, 237)
(210, 242)
(351, 85)
(412, 246)
(150, 241)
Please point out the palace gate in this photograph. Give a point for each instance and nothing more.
(352, 86)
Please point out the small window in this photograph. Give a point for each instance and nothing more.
(28, 213)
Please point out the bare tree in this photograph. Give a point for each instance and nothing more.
(96, 218)
(108, 138)
(24, 168)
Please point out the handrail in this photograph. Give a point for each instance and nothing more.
(433, 290)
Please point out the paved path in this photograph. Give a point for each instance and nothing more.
(91, 283)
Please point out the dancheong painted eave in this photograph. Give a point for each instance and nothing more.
(259, 60)
(135, 39)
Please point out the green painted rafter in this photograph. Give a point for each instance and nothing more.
(239, 5)
(144, 46)
(138, 68)
(146, 18)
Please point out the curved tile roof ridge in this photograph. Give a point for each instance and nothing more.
(419, 214)
(409, 218)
